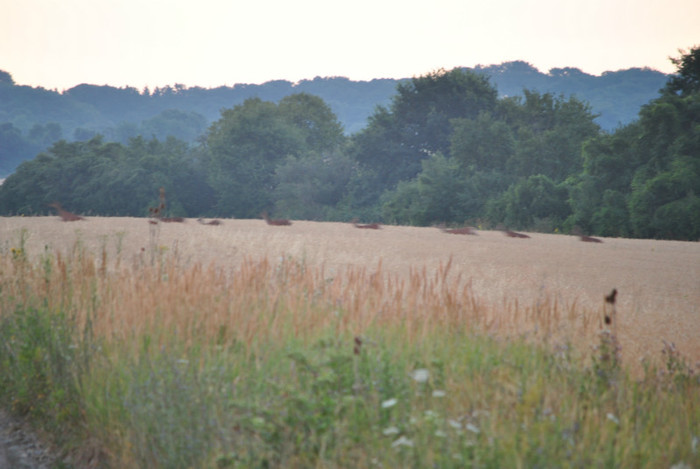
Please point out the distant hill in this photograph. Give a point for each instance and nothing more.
(31, 119)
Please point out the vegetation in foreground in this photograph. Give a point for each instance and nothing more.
(150, 362)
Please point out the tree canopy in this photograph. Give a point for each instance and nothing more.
(444, 149)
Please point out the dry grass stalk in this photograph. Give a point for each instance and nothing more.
(260, 301)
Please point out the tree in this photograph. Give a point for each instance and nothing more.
(549, 132)
(483, 144)
(311, 115)
(687, 79)
(531, 201)
(310, 187)
(417, 124)
(244, 147)
(433, 196)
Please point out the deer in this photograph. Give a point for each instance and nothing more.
(156, 213)
(64, 214)
(210, 223)
(465, 230)
(275, 222)
(589, 239)
(368, 226)
(515, 234)
(585, 238)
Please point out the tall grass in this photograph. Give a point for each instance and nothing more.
(154, 362)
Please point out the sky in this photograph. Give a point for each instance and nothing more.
(58, 44)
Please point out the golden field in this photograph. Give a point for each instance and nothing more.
(658, 281)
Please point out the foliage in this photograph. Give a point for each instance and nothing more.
(530, 201)
(434, 196)
(95, 177)
(310, 187)
(417, 124)
(445, 149)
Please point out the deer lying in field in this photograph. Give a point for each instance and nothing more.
(589, 239)
(514, 234)
(211, 223)
(465, 230)
(64, 214)
(368, 226)
(275, 222)
(576, 230)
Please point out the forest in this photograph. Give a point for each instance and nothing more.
(447, 147)
(32, 119)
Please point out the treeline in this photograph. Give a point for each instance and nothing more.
(446, 149)
(31, 119)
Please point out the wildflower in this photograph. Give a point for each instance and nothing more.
(390, 431)
(455, 424)
(402, 441)
(389, 403)
(420, 375)
(472, 428)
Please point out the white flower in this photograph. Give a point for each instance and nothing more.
(389, 403)
(390, 431)
(420, 375)
(402, 441)
(472, 428)
(438, 393)
(455, 424)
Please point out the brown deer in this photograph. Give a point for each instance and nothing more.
(275, 222)
(586, 239)
(465, 230)
(210, 223)
(514, 234)
(64, 214)
(368, 226)
(156, 213)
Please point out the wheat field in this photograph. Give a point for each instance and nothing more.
(658, 281)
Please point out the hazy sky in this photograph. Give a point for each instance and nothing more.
(62, 43)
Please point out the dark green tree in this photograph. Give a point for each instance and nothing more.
(436, 195)
(310, 187)
(686, 81)
(482, 144)
(311, 115)
(244, 148)
(417, 124)
(549, 132)
(533, 202)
